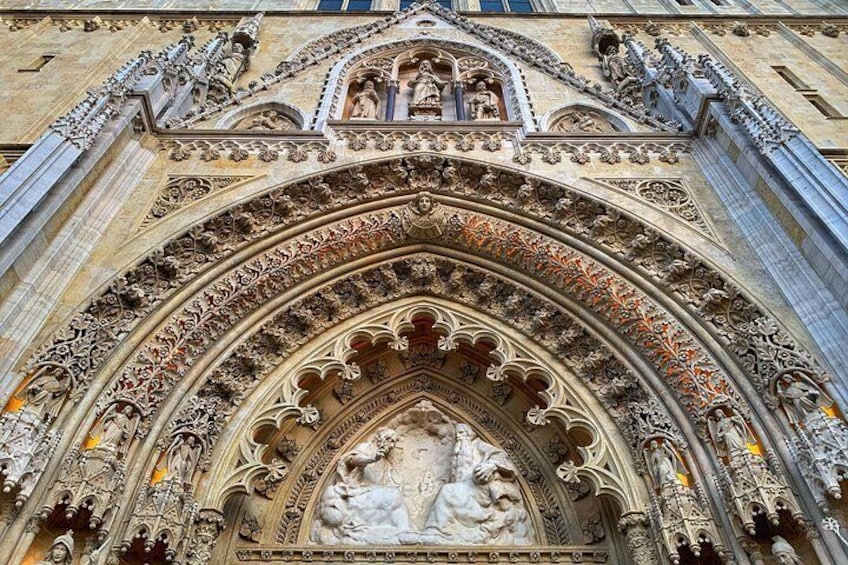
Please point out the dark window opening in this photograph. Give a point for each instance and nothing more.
(37, 65)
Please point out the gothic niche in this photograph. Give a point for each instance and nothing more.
(582, 119)
(467, 494)
(425, 84)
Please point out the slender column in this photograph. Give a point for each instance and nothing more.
(32, 528)
(634, 526)
(391, 95)
(459, 99)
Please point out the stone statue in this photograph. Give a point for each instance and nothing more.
(800, 398)
(617, 69)
(364, 504)
(482, 502)
(582, 121)
(230, 67)
(424, 218)
(784, 553)
(182, 457)
(422, 479)
(44, 395)
(484, 104)
(61, 552)
(730, 433)
(366, 104)
(115, 428)
(662, 464)
(269, 120)
(426, 91)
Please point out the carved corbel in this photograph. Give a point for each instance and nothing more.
(640, 542)
(208, 525)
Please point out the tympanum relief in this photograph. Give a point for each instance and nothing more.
(423, 479)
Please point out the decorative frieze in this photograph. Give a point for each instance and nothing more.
(277, 554)
(179, 191)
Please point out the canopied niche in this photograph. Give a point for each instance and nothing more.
(430, 82)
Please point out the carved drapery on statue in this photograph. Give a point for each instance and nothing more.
(467, 494)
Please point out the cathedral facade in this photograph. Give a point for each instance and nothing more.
(470, 282)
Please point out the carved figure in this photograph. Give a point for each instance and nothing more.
(182, 457)
(269, 120)
(364, 503)
(800, 398)
(424, 218)
(662, 464)
(61, 552)
(784, 553)
(366, 104)
(482, 502)
(484, 104)
(426, 88)
(617, 69)
(730, 433)
(116, 428)
(44, 395)
(230, 67)
(582, 121)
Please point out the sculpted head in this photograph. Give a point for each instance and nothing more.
(481, 86)
(62, 549)
(426, 66)
(385, 439)
(128, 410)
(369, 85)
(464, 432)
(424, 202)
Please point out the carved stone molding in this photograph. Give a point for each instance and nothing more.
(570, 554)
(239, 150)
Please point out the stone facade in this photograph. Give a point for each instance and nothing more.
(419, 285)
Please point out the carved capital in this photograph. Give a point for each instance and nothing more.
(640, 542)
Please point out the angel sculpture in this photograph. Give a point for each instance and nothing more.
(729, 432)
(115, 428)
(800, 398)
(182, 458)
(424, 218)
(44, 395)
(664, 464)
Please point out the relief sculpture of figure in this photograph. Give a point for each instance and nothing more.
(729, 432)
(617, 69)
(230, 67)
(366, 104)
(482, 502)
(61, 552)
(115, 429)
(426, 87)
(424, 218)
(662, 464)
(801, 398)
(44, 395)
(364, 503)
(269, 120)
(182, 457)
(582, 121)
(484, 104)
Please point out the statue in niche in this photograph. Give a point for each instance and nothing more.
(424, 218)
(182, 457)
(801, 398)
(115, 428)
(366, 104)
(423, 479)
(582, 121)
(269, 120)
(364, 504)
(482, 503)
(663, 464)
(484, 104)
(618, 70)
(44, 395)
(784, 553)
(426, 91)
(61, 552)
(729, 432)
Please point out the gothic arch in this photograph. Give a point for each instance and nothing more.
(523, 248)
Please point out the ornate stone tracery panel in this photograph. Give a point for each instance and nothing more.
(181, 190)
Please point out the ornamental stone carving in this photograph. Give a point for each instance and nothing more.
(424, 217)
(468, 494)
(582, 121)
(427, 86)
(267, 120)
(61, 552)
